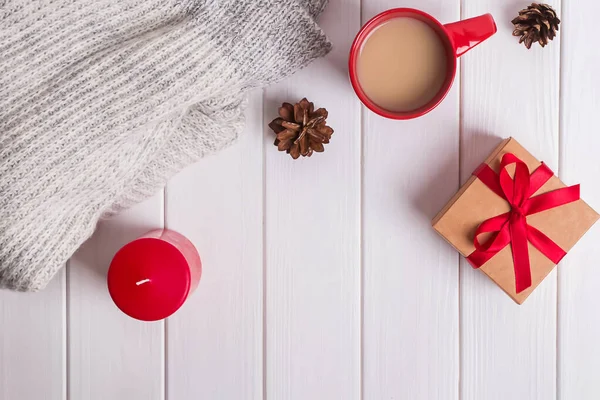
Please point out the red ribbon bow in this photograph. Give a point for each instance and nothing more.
(512, 226)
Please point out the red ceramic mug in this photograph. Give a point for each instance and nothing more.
(458, 38)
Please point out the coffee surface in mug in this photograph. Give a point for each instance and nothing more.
(402, 64)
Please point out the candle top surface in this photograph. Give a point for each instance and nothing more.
(149, 279)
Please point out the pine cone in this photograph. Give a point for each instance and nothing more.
(536, 23)
(301, 129)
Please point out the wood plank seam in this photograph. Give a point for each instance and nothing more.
(164, 354)
(559, 173)
(66, 318)
(263, 253)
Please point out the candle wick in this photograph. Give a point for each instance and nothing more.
(142, 282)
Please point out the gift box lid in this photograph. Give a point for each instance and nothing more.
(475, 203)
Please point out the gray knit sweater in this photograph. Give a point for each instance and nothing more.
(101, 101)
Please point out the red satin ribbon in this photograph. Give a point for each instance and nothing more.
(512, 226)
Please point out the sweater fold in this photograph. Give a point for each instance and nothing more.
(101, 101)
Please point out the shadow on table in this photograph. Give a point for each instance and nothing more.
(510, 11)
(439, 189)
(97, 252)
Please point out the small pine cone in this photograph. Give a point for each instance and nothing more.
(301, 129)
(536, 23)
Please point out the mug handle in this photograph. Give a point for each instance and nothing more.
(468, 33)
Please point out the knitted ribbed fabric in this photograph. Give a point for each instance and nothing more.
(101, 101)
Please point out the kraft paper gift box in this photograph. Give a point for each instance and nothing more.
(562, 221)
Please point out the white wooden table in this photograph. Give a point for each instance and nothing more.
(322, 277)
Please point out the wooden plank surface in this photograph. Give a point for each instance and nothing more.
(312, 242)
(410, 339)
(32, 343)
(578, 274)
(214, 343)
(110, 355)
(507, 351)
(322, 277)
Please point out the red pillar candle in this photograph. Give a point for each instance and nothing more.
(151, 277)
